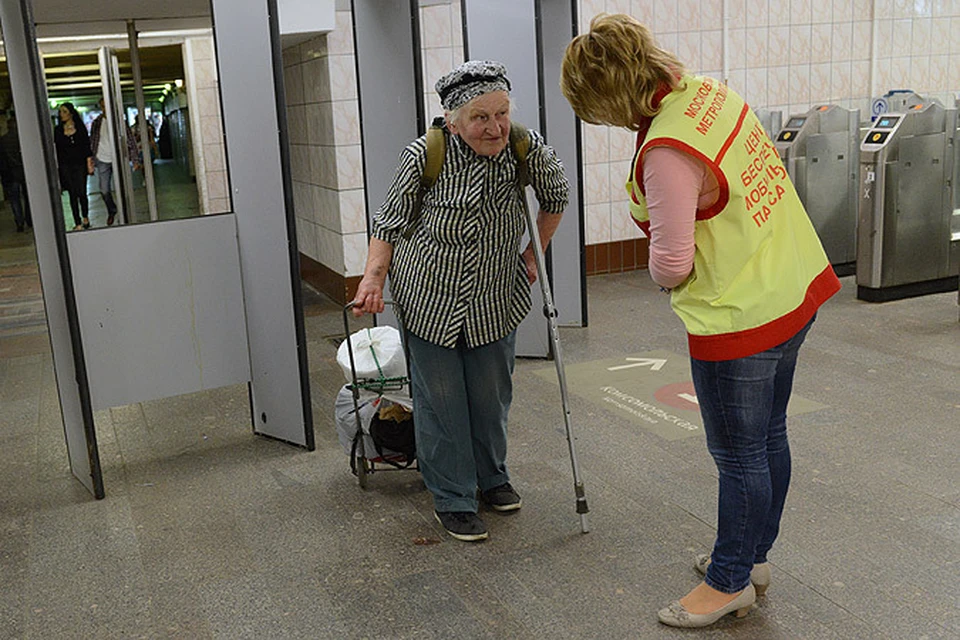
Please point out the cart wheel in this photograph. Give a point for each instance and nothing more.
(362, 472)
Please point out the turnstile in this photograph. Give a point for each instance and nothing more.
(906, 203)
(821, 151)
(771, 120)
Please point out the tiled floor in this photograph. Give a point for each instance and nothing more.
(210, 532)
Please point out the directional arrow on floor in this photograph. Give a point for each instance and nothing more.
(655, 364)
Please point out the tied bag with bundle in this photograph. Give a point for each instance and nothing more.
(379, 371)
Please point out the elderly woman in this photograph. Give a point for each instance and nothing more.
(463, 286)
(730, 238)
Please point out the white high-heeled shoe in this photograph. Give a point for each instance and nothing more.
(759, 575)
(675, 615)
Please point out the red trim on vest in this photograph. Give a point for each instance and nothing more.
(740, 344)
(722, 199)
(736, 131)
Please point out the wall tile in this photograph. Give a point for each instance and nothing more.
(588, 9)
(757, 86)
(293, 83)
(778, 12)
(955, 35)
(329, 249)
(213, 158)
(597, 223)
(758, 54)
(316, 80)
(820, 42)
(643, 11)
(737, 13)
(821, 77)
(778, 85)
(353, 211)
(314, 48)
(840, 80)
(618, 6)
(622, 226)
(343, 77)
(297, 124)
(860, 42)
(940, 73)
(940, 36)
(346, 122)
(340, 40)
(799, 85)
(326, 204)
(919, 71)
(883, 8)
(300, 162)
(596, 183)
(711, 14)
(619, 171)
(920, 39)
(800, 36)
(758, 13)
(737, 59)
(954, 66)
(711, 50)
(318, 119)
(688, 49)
(354, 253)
(596, 143)
(623, 144)
(900, 73)
(841, 41)
(860, 80)
(842, 10)
(436, 64)
(800, 12)
(902, 35)
(666, 17)
(862, 9)
(349, 167)
(778, 43)
(688, 15)
(435, 27)
(737, 80)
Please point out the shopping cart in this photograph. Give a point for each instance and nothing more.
(364, 459)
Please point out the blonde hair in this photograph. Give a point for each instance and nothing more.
(611, 74)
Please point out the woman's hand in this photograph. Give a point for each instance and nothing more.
(369, 298)
(530, 261)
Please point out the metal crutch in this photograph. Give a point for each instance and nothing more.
(550, 312)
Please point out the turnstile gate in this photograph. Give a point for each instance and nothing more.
(906, 203)
(821, 151)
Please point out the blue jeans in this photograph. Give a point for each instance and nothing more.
(744, 407)
(461, 398)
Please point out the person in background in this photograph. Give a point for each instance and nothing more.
(74, 160)
(463, 286)
(102, 147)
(732, 243)
(12, 175)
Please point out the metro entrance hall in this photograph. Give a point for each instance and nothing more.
(173, 395)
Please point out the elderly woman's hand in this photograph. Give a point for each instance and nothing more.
(369, 298)
(531, 263)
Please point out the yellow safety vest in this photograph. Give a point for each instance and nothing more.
(759, 271)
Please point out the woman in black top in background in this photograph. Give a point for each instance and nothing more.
(75, 161)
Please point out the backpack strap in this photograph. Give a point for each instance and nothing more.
(520, 143)
(436, 150)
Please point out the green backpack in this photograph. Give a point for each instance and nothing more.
(436, 150)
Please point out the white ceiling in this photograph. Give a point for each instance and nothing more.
(84, 11)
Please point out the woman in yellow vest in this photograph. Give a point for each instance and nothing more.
(730, 239)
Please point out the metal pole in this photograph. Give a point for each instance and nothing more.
(146, 133)
(550, 312)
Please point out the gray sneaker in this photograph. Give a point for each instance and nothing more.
(462, 525)
(502, 498)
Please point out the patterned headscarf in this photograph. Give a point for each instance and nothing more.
(471, 79)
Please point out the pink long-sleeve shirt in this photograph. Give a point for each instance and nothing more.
(677, 184)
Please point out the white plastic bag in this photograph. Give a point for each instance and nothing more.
(377, 345)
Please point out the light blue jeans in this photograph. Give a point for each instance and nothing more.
(744, 407)
(461, 398)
